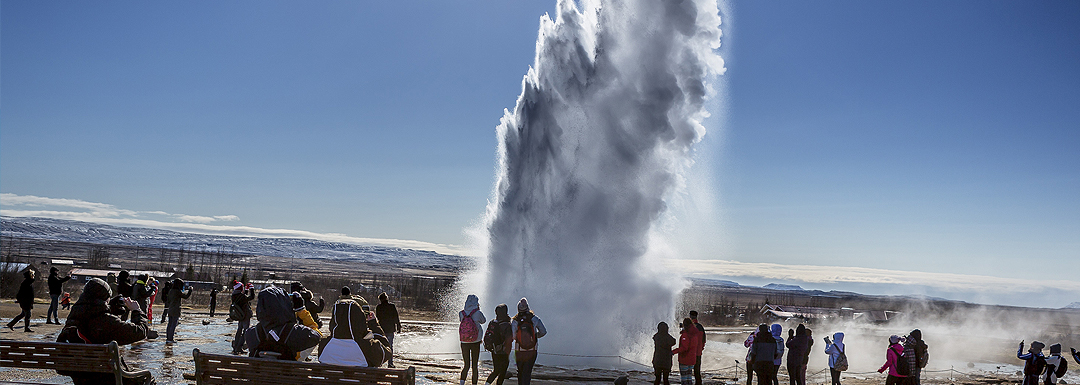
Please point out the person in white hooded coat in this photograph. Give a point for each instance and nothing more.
(834, 349)
(471, 333)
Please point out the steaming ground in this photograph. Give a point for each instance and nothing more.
(979, 354)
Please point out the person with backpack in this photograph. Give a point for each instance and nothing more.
(915, 356)
(387, 315)
(697, 364)
(798, 344)
(178, 292)
(663, 342)
(240, 311)
(278, 335)
(92, 322)
(499, 340)
(56, 289)
(309, 303)
(894, 362)
(165, 304)
(528, 329)
(470, 328)
(837, 356)
(25, 298)
(1056, 366)
(1034, 362)
(350, 342)
(763, 352)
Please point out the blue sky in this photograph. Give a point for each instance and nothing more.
(926, 136)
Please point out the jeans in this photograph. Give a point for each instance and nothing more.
(25, 316)
(686, 374)
(53, 307)
(171, 329)
(238, 342)
(835, 376)
(470, 352)
(525, 367)
(499, 363)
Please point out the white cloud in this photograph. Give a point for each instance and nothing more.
(108, 214)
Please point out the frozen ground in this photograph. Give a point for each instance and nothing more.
(432, 349)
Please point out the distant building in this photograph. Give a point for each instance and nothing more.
(782, 312)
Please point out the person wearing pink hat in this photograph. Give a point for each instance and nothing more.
(527, 329)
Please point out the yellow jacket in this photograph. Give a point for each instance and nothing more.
(305, 319)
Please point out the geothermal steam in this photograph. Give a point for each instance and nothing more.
(588, 159)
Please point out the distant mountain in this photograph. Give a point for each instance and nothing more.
(780, 286)
(715, 282)
(76, 231)
(1074, 305)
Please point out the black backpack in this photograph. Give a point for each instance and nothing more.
(903, 368)
(1035, 366)
(268, 344)
(491, 336)
(1063, 367)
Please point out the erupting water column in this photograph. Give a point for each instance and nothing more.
(595, 147)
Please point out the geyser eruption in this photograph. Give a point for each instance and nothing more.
(588, 159)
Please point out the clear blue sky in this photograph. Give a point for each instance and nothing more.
(941, 134)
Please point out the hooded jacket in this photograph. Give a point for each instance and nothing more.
(472, 306)
(892, 359)
(689, 346)
(90, 317)
(275, 315)
(798, 346)
(776, 330)
(345, 312)
(662, 343)
(123, 285)
(914, 348)
(834, 348)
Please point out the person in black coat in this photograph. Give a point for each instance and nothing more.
(124, 288)
(25, 298)
(387, 315)
(763, 352)
(213, 300)
(241, 301)
(798, 346)
(56, 289)
(91, 321)
(663, 342)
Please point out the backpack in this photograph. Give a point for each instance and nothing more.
(234, 313)
(903, 368)
(841, 362)
(525, 335)
(1063, 367)
(1035, 365)
(492, 337)
(468, 330)
(268, 344)
(922, 357)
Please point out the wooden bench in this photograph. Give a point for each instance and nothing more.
(65, 356)
(228, 369)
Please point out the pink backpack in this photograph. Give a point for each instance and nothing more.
(468, 330)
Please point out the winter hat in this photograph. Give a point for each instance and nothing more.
(1036, 345)
(693, 314)
(894, 339)
(523, 305)
(95, 290)
(297, 302)
(662, 327)
(502, 311)
(1055, 349)
(346, 291)
(237, 285)
(800, 330)
(54, 270)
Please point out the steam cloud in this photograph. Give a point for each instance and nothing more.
(595, 147)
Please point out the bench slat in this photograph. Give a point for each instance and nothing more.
(223, 369)
(53, 355)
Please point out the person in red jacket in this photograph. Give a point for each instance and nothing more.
(689, 349)
(892, 359)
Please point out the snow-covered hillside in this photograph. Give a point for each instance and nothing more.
(75, 231)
